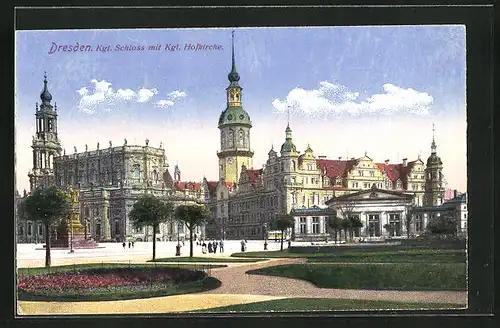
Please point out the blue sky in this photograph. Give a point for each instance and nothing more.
(350, 89)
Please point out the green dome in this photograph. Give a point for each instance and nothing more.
(434, 160)
(288, 146)
(235, 115)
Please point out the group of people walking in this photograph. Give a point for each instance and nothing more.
(130, 244)
(212, 246)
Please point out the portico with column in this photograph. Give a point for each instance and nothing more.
(375, 208)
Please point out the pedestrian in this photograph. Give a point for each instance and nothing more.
(123, 245)
(132, 244)
(210, 247)
(129, 244)
(289, 243)
(242, 245)
(204, 248)
(221, 246)
(215, 247)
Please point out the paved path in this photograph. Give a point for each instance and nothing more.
(236, 281)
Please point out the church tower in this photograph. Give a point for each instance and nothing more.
(234, 126)
(434, 179)
(45, 143)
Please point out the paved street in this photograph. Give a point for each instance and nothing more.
(34, 255)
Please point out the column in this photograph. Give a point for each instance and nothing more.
(308, 225)
(105, 225)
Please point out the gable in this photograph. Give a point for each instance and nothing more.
(373, 194)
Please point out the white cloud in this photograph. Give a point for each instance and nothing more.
(331, 98)
(144, 95)
(169, 102)
(164, 103)
(103, 97)
(176, 94)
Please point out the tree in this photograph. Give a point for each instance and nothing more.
(284, 222)
(410, 213)
(389, 228)
(150, 211)
(346, 226)
(46, 205)
(443, 224)
(193, 216)
(335, 224)
(346, 210)
(356, 224)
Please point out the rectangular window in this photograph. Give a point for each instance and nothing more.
(302, 225)
(315, 224)
(418, 223)
(373, 225)
(395, 222)
(372, 174)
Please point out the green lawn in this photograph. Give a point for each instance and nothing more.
(208, 260)
(326, 304)
(396, 256)
(398, 276)
(22, 272)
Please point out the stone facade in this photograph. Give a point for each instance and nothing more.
(244, 200)
(109, 181)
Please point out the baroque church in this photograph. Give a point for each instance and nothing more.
(244, 200)
(109, 180)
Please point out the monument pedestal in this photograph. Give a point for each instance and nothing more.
(71, 233)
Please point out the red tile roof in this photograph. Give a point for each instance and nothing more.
(212, 187)
(397, 171)
(182, 185)
(336, 168)
(253, 175)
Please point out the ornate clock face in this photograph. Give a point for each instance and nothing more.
(230, 117)
(230, 160)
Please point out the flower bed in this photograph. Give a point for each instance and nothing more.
(113, 283)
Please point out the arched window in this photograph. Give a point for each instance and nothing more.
(29, 229)
(117, 227)
(293, 165)
(240, 138)
(21, 230)
(137, 171)
(40, 230)
(230, 139)
(155, 176)
(222, 139)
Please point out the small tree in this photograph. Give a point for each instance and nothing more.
(346, 226)
(410, 213)
(389, 228)
(356, 224)
(284, 222)
(150, 211)
(47, 205)
(442, 225)
(346, 210)
(193, 216)
(335, 224)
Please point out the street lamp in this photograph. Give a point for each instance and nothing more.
(178, 247)
(71, 235)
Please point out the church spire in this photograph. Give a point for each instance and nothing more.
(45, 96)
(433, 144)
(233, 76)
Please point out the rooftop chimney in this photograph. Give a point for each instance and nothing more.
(322, 156)
(405, 160)
(386, 161)
(340, 157)
(455, 193)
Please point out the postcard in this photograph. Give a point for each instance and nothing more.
(240, 170)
